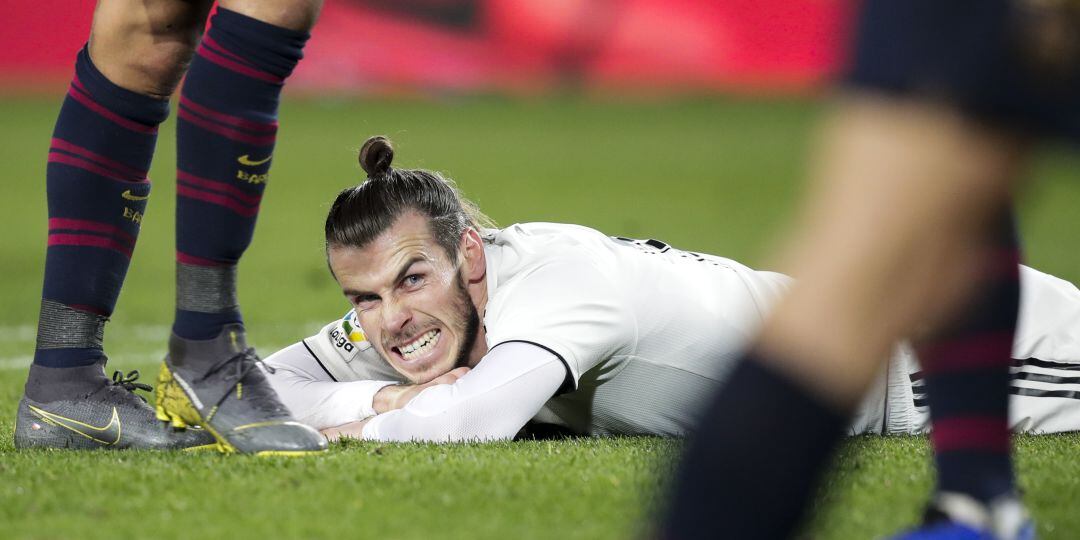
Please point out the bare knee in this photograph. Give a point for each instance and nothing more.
(292, 14)
(146, 45)
(153, 69)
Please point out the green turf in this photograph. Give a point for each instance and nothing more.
(714, 175)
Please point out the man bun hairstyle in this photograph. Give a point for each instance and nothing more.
(361, 213)
(376, 155)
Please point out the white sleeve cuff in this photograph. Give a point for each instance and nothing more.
(364, 392)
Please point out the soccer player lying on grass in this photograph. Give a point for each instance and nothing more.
(561, 324)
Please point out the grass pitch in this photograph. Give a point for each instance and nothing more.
(712, 175)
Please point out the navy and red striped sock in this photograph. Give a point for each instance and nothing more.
(97, 188)
(967, 382)
(225, 138)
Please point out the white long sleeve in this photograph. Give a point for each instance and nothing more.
(312, 396)
(491, 402)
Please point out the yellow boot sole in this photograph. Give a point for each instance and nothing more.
(173, 405)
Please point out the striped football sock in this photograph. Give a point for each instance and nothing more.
(225, 137)
(966, 371)
(97, 188)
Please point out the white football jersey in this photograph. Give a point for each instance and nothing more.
(645, 330)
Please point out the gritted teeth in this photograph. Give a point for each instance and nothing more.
(421, 345)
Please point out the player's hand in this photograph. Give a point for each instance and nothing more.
(352, 430)
(393, 397)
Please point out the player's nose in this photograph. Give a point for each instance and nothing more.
(396, 316)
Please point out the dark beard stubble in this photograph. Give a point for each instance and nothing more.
(467, 312)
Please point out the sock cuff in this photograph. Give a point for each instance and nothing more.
(271, 48)
(763, 442)
(786, 394)
(206, 289)
(141, 108)
(62, 327)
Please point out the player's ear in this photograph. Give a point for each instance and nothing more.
(474, 262)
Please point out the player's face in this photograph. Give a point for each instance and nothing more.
(411, 299)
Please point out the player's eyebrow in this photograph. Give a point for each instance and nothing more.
(408, 266)
(397, 279)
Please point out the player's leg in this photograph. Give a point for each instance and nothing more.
(97, 189)
(966, 377)
(226, 132)
(225, 136)
(893, 229)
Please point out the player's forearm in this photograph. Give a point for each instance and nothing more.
(351, 402)
(311, 393)
(492, 402)
(324, 404)
(396, 396)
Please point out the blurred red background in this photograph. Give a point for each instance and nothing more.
(520, 46)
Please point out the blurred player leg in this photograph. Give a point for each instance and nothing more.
(97, 190)
(896, 239)
(966, 367)
(891, 238)
(226, 132)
